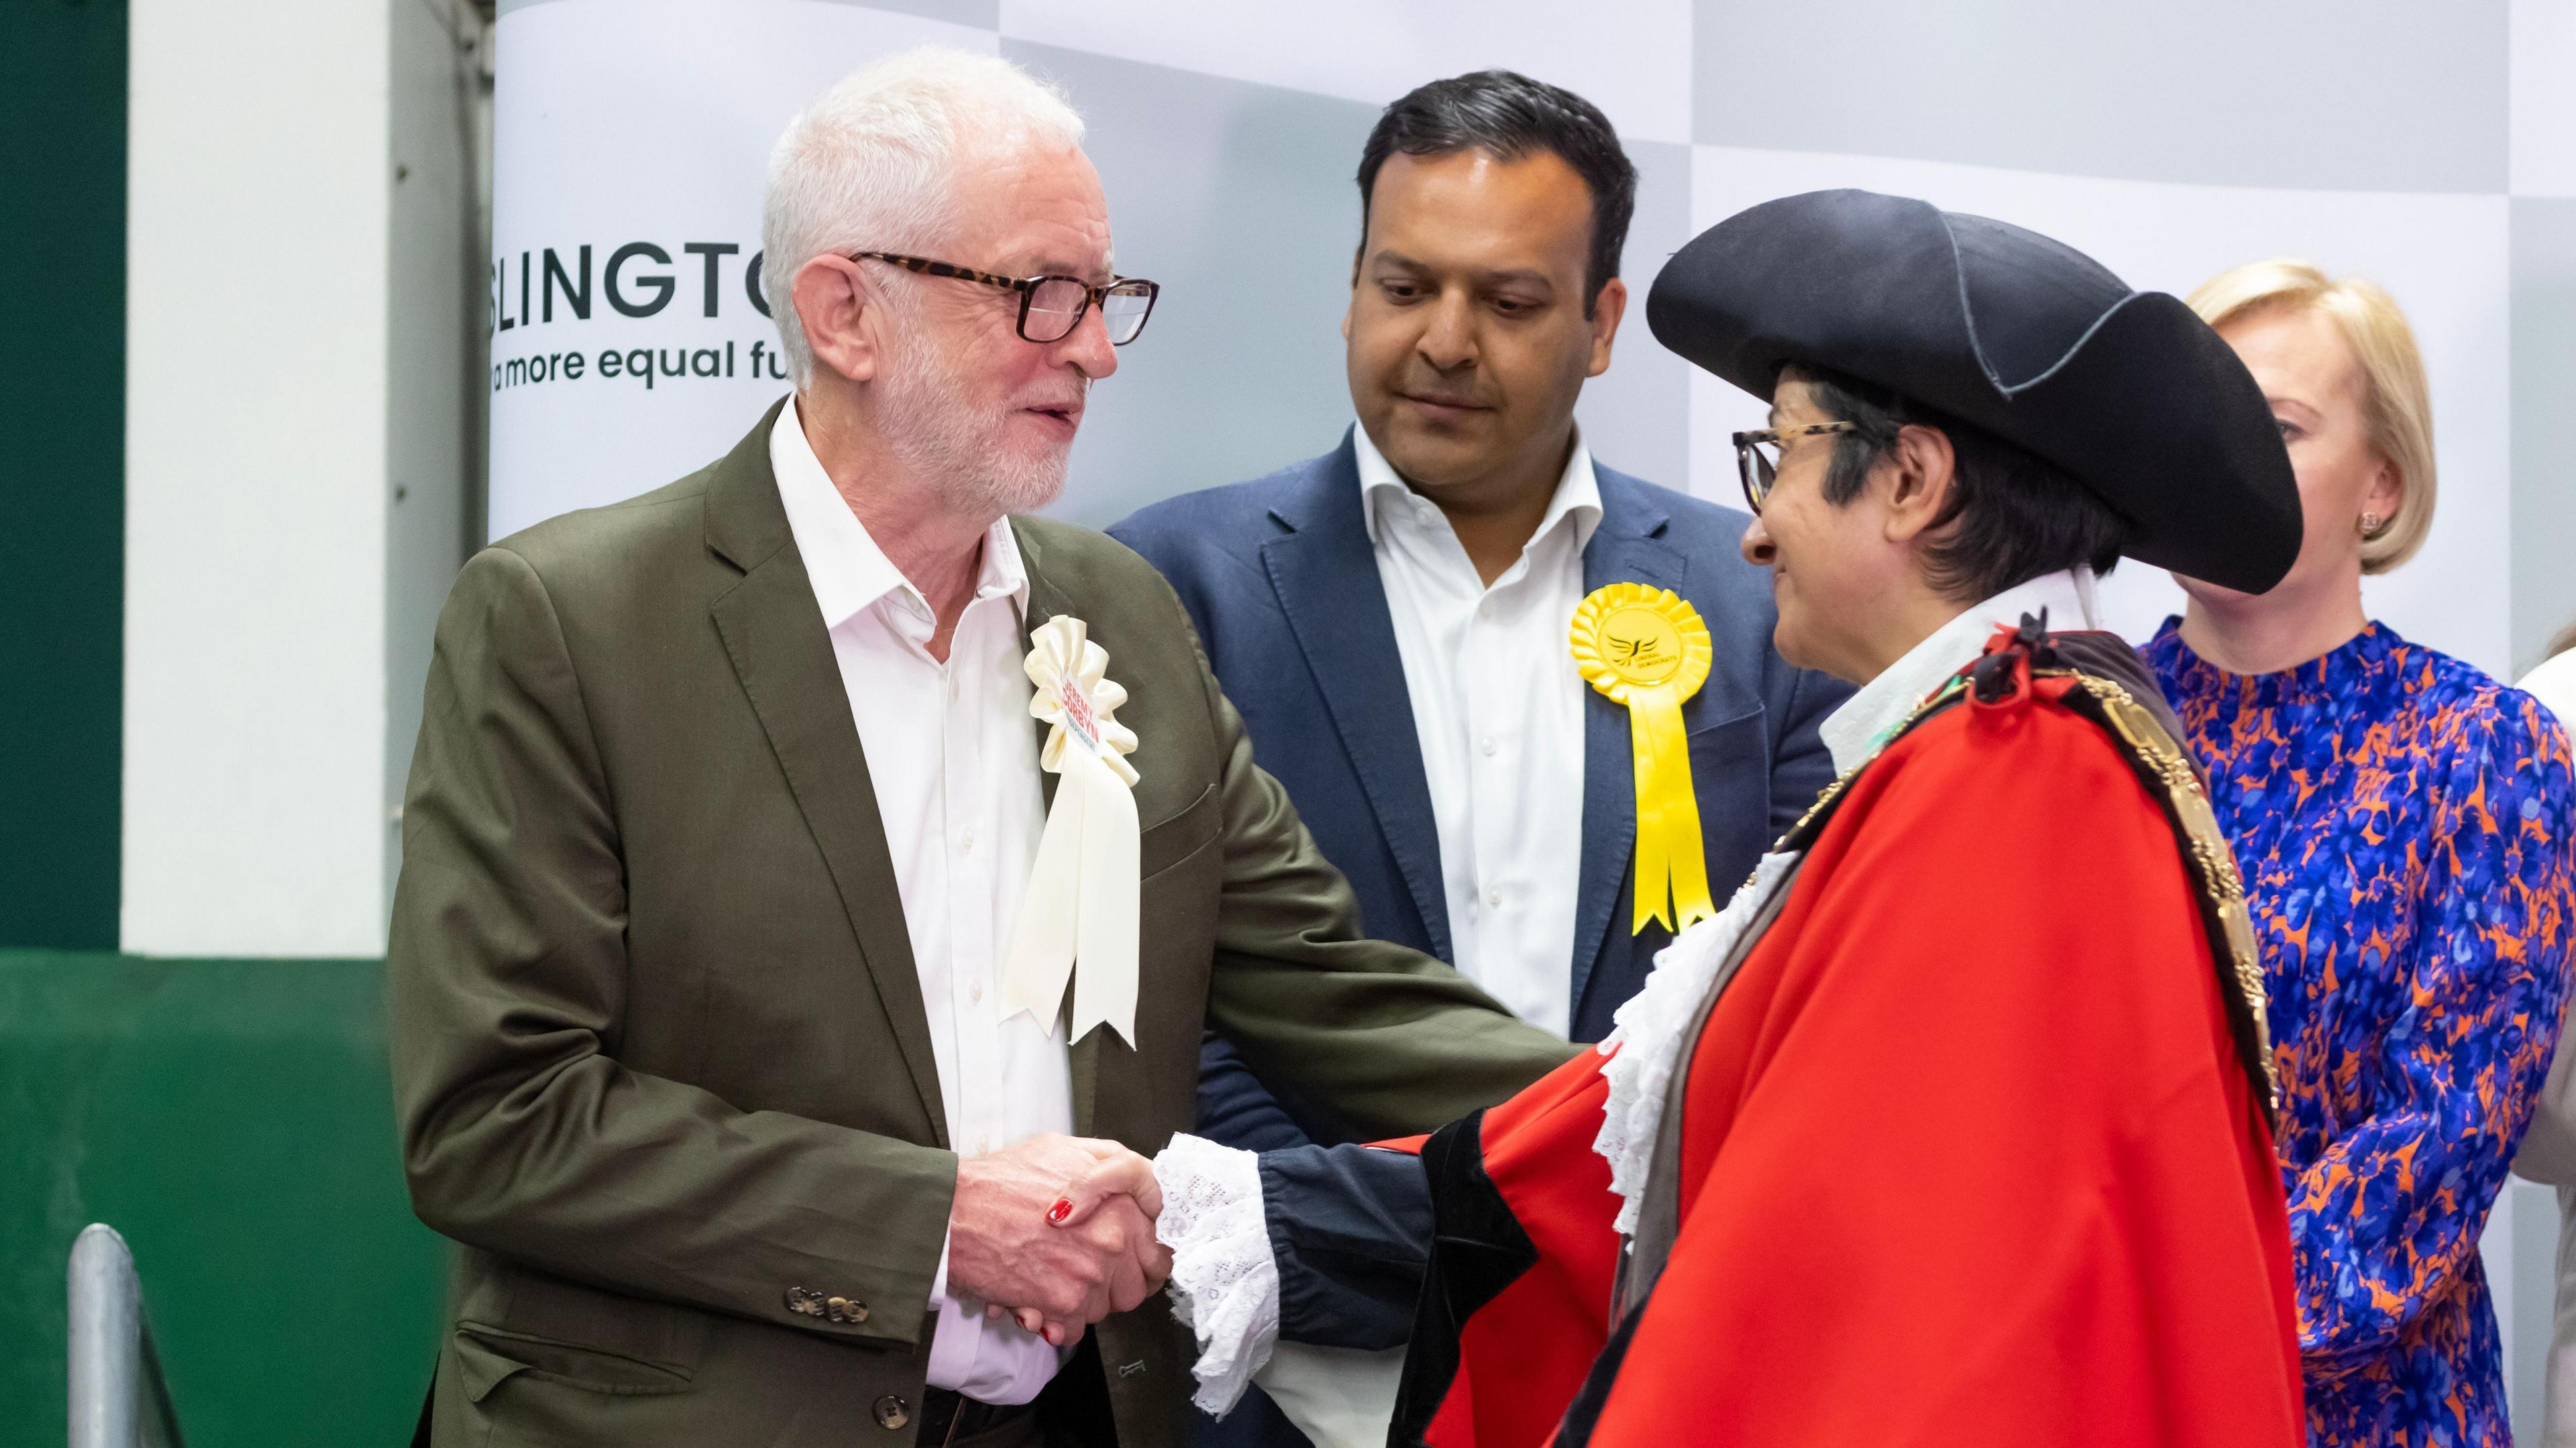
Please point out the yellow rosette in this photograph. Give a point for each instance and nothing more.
(1646, 648)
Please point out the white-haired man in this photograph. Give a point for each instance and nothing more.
(721, 1038)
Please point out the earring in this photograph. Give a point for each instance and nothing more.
(2369, 526)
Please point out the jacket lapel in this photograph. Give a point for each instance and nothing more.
(773, 631)
(1625, 548)
(1047, 599)
(1325, 574)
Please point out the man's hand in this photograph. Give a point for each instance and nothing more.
(1004, 1250)
(1123, 1176)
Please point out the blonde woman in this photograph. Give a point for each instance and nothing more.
(2403, 823)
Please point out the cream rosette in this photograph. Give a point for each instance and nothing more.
(1078, 919)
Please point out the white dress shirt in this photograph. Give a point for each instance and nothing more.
(953, 756)
(1865, 719)
(1498, 707)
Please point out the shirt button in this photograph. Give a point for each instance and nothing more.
(1494, 898)
(1487, 744)
(974, 995)
(965, 839)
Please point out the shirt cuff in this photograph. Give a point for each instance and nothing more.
(939, 1279)
(1224, 1283)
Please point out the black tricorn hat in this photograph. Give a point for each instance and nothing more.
(2009, 331)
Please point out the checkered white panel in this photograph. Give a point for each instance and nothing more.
(1227, 137)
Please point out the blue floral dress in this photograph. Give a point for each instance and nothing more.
(2404, 826)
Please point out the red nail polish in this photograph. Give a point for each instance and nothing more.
(1061, 1210)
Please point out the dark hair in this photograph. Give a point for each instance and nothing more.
(2012, 516)
(1510, 116)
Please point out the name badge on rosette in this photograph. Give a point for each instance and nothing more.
(1648, 650)
(1078, 919)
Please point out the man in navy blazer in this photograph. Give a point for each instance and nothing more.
(1332, 600)
(1278, 576)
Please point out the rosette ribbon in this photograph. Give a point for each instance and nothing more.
(1647, 649)
(1078, 919)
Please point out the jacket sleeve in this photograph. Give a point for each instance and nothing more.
(1350, 1229)
(1236, 1110)
(2389, 1215)
(506, 976)
(1366, 1036)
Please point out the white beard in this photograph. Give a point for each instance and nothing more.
(922, 420)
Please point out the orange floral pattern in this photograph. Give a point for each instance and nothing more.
(2404, 825)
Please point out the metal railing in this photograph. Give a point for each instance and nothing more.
(118, 1399)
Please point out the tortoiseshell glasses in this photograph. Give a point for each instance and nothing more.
(1050, 307)
(1757, 460)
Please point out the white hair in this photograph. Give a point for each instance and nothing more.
(868, 166)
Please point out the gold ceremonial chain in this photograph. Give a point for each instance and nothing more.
(2222, 885)
(2207, 849)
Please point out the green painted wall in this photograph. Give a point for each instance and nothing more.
(233, 1118)
(62, 468)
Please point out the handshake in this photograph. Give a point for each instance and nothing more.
(1057, 1231)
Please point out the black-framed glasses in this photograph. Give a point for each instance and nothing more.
(1757, 459)
(1050, 307)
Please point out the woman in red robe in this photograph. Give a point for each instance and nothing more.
(1952, 1127)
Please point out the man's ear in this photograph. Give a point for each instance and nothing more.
(1607, 309)
(837, 305)
(1922, 472)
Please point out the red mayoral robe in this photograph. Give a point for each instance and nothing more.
(1972, 1149)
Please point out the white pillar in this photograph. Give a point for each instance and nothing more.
(256, 491)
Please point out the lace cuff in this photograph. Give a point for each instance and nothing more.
(1224, 1285)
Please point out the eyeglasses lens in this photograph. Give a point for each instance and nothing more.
(1055, 305)
(1754, 462)
(1125, 309)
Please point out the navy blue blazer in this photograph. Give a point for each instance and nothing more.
(1282, 583)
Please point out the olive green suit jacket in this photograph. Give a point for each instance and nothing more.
(660, 1058)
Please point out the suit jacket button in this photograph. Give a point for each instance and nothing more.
(893, 1412)
(838, 1309)
(805, 1301)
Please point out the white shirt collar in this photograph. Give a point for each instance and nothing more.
(1577, 496)
(847, 569)
(1859, 726)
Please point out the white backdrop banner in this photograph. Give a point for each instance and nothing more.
(630, 341)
